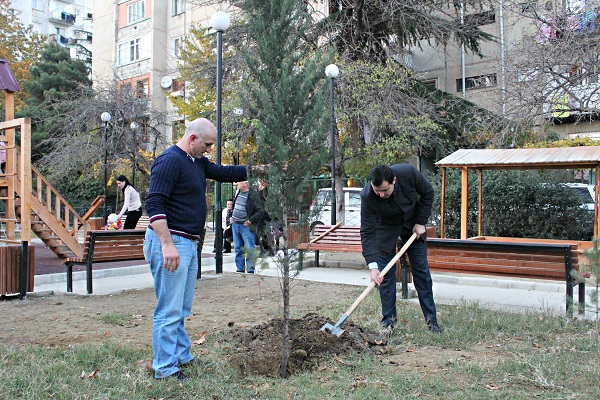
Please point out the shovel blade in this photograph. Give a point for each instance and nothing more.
(333, 329)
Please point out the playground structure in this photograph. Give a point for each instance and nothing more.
(31, 203)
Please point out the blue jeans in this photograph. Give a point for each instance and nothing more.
(417, 254)
(174, 295)
(243, 240)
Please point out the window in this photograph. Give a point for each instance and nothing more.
(17, 14)
(178, 7)
(135, 11)
(430, 83)
(129, 51)
(142, 88)
(37, 4)
(177, 45)
(482, 18)
(476, 82)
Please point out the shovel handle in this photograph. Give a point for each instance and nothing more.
(382, 273)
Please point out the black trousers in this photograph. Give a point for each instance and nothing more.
(132, 219)
(417, 254)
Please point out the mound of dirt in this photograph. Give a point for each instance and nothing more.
(257, 350)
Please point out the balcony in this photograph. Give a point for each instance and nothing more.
(61, 17)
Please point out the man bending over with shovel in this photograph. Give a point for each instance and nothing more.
(397, 203)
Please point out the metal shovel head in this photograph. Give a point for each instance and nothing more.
(333, 329)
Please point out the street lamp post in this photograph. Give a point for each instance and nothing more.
(106, 117)
(134, 125)
(332, 72)
(219, 22)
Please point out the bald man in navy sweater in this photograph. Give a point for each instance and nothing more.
(176, 205)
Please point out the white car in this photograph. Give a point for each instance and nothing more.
(320, 209)
(585, 193)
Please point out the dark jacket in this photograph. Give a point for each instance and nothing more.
(412, 193)
(254, 210)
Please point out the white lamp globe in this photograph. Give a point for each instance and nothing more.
(105, 117)
(332, 71)
(220, 21)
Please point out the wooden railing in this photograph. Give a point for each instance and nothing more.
(56, 204)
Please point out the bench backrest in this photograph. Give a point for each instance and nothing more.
(345, 234)
(518, 259)
(109, 245)
(143, 222)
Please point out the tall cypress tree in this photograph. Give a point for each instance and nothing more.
(286, 96)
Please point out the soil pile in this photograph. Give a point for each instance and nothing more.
(257, 350)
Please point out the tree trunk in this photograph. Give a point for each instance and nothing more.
(285, 289)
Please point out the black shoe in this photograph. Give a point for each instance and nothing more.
(250, 272)
(435, 328)
(193, 361)
(178, 376)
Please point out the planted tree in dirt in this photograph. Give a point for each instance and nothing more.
(285, 96)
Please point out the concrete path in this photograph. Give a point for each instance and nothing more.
(498, 293)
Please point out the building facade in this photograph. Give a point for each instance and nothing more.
(69, 22)
(494, 80)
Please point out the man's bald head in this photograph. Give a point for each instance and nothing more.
(199, 137)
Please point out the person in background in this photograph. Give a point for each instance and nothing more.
(263, 234)
(395, 204)
(248, 219)
(226, 225)
(227, 230)
(176, 205)
(132, 205)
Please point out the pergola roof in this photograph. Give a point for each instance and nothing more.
(561, 157)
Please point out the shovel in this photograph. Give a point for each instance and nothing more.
(336, 329)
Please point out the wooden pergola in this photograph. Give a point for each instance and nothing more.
(584, 157)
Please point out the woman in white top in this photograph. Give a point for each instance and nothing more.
(132, 204)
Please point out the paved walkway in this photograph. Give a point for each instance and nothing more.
(498, 293)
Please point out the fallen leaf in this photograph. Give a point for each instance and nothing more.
(107, 333)
(93, 374)
(146, 365)
(202, 338)
(411, 350)
(539, 346)
(491, 386)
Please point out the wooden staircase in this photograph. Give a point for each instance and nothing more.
(51, 218)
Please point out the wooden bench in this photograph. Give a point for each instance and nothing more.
(106, 246)
(550, 261)
(142, 223)
(344, 238)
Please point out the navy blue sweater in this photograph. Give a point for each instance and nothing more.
(177, 190)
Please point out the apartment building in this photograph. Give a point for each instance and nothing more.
(69, 22)
(139, 46)
(486, 80)
(138, 43)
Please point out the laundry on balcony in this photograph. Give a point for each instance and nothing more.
(63, 40)
(70, 18)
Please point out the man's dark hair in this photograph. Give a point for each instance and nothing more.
(381, 173)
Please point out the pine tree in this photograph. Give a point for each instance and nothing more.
(285, 95)
(54, 78)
